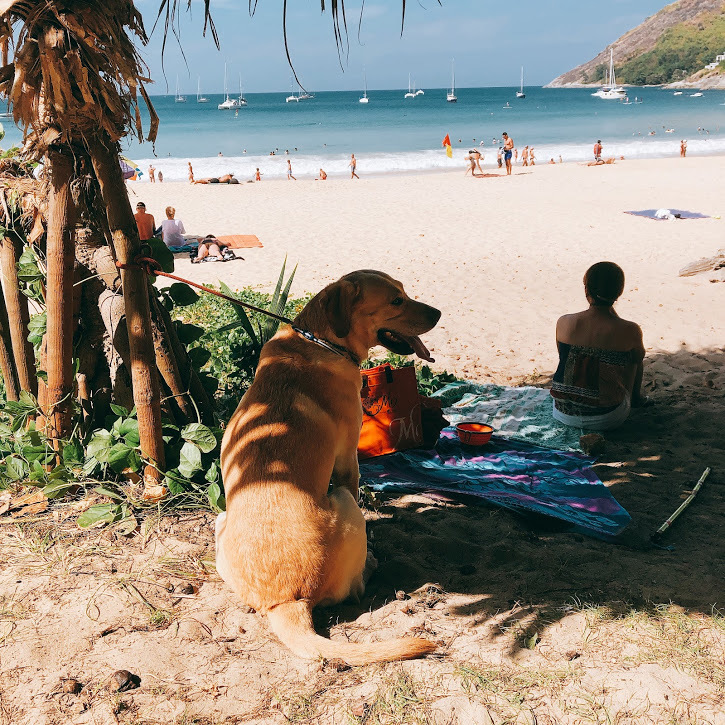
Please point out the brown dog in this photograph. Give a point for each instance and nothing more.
(286, 542)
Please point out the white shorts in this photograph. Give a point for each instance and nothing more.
(606, 421)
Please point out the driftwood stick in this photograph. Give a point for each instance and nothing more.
(671, 520)
(126, 243)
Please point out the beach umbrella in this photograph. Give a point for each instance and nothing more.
(129, 169)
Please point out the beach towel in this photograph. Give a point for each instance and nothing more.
(522, 414)
(184, 248)
(515, 475)
(651, 214)
(241, 241)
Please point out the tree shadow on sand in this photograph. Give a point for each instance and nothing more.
(530, 567)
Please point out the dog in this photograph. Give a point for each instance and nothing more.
(293, 536)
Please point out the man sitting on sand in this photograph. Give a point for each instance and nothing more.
(212, 249)
(599, 376)
(224, 179)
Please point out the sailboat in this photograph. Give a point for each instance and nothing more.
(241, 101)
(419, 92)
(451, 97)
(410, 93)
(520, 93)
(228, 103)
(364, 98)
(199, 97)
(178, 98)
(610, 90)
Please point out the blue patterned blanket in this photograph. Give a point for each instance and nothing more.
(513, 474)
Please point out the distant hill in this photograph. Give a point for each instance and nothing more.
(672, 46)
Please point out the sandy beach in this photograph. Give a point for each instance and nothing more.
(534, 624)
(503, 258)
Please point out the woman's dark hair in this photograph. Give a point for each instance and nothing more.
(604, 283)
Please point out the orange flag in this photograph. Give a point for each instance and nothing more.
(447, 144)
(447, 140)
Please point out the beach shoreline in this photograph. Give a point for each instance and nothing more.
(503, 258)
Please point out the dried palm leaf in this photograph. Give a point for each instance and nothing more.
(74, 67)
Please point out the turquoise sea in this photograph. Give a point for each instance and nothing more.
(396, 134)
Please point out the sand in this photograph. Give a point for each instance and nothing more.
(503, 258)
(535, 625)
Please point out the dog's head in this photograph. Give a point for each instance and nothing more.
(367, 308)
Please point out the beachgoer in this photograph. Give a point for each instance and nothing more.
(516, 155)
(289, 170)
(478, 158)
(152, 174)
(599, 377)
(145, 222)
(172, 230)
(161, 177)
(499, 157)
(561, 161)
(683, 148)
(598, 150)
(508, 145)
(223, 179)
(525, 156)
(532, 157)
(212, 249)
(191, 173)
(353, 167)
(471, 164)
(322, 176)
(258, 175)
(551, 160)
(220, 154)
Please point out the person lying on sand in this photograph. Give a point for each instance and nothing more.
(212, 249)
(599, 377)
(601, 161)
(224, 179)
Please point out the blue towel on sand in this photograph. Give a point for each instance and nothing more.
(650, 214)
(511, 474)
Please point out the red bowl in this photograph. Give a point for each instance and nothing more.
(474, 434)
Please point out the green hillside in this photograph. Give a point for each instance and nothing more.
(681, 50)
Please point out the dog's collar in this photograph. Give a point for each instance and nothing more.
(337, 349)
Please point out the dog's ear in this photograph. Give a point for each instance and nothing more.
(340, 299)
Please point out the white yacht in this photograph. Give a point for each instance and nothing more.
(520, 93)
(230, 104)
(364, 98)
(199, 97)
(411, 92)
(610, 90)
(451, 96)
(178, 98)
(695, 95)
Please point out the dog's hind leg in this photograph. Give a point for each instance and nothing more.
(347, 552)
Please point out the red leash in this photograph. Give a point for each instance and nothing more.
(152, 267)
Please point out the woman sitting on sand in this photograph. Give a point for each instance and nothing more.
(172, 230)
(599, 376)
(212, 249)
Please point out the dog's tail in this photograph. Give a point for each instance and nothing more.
(292, 623)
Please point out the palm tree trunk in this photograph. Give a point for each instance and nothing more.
(126, 243)
(59, 296)
(18, 315)
(7, 364)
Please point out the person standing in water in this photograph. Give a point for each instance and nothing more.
(353, 167)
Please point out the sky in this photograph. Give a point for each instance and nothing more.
(489, 42)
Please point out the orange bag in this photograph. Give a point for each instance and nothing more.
(391, 411)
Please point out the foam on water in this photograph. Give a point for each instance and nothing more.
(308, 165)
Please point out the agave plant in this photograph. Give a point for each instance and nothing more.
(266, 331)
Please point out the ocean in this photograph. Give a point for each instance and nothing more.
(396, 134)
